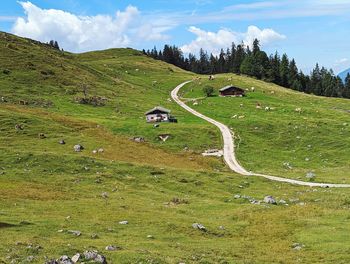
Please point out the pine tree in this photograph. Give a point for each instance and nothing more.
(284, 70)
(293, 81)
(239, 58)
(346, 92)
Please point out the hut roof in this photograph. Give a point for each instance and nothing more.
(230, 87)
(158, 108)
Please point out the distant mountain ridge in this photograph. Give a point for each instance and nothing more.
(343, 74)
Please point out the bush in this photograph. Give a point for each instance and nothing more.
(208, 90)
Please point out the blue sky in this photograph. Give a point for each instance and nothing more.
(310, 30)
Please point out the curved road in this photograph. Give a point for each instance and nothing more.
(229, 148)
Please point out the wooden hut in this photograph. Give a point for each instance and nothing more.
(158, 114)
(231, 90)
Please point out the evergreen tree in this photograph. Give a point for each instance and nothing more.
(346, 92)
(293, 81)
(284, 71)
(239, 58)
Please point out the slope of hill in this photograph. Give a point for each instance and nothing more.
(280, 140)
(48, 190)
(343, 74)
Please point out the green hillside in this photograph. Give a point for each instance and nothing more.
(273, 136)
(160, 188)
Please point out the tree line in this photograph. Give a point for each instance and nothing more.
(254, 62)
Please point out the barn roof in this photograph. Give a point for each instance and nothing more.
(158, 108)
(230, 87)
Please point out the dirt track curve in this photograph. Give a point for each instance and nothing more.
(229, 148)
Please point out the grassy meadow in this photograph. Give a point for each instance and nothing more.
(281, 141)
(160, 188)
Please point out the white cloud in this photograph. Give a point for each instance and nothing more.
(214, 41)
(84, 33)
(342, 61)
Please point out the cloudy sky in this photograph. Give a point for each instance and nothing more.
(309, 30)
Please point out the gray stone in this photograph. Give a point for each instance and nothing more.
(310, 175)
(76, 258)
(123, 222)
(62, 142)
(298, 246)
(237, 196)
(282, 202)
(74, 232)
(78, 148)
(65, 260)
(112, 248)
(270, 200)
(199, 227)
(94, 256)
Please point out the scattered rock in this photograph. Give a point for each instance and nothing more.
(112, 248)
(123, 222)
(150, 237)
(104, 195)
(282, 201)
(139, 139)
(76, 258)
(94, 256)
(78, 148)
(64, 260)
(213, 152)
(297, 246)
(74, 232)
(199, 227)
(100, 150)
(62, 142)
(270, 200)
(237, 196)
(310, 175)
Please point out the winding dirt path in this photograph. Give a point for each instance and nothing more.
(229, 148)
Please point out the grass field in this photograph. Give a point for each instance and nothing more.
(160, 188)
(282, 141)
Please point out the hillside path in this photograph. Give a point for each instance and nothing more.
(229, 148)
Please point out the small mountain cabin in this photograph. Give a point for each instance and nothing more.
(158, 114)
(231, 90)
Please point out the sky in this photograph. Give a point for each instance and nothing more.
(308, 30)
